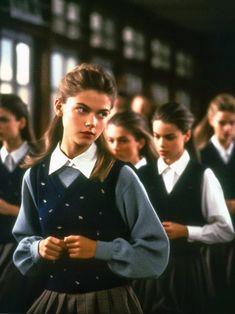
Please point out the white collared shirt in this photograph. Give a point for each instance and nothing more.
(16, 155)
(140, 163)
(225, 154)
(219, 226)
(171, 173)
(84, 162)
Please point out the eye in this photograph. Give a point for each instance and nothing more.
(103, 114)
(81, 109)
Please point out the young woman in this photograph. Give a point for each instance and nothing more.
(190, 203)
(219, 155)
(129, 138)
(17, 140)
(82, 223)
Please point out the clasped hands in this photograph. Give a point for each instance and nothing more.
(77, 246)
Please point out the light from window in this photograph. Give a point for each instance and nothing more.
(6, 59)
(23, 63)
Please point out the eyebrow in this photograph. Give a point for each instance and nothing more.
(89, 108)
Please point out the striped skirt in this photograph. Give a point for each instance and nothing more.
(119, 300)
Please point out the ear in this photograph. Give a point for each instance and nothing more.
(141, 143)
(22, 122)
(58, 107)
(187, 136)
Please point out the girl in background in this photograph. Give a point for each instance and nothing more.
(190, 203)
(17, 141)
(129, 139)
(82, 223)
(219, 155)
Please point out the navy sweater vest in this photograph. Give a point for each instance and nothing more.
(224, 172)
(85, 208)
(10, 191)
(182, 205)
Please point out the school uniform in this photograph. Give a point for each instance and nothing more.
(12, 298)
(186, 193)
(59, 199)
(222, 162)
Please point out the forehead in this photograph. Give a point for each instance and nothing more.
(225, 115)
(5, 112)
(164, 128)
(117, 131)
(91, 98)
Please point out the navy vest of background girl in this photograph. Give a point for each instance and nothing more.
(190, 203)
(86, 222)
(218, 153)
(17, 140)
(130, 139)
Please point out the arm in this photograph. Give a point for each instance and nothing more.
(146, 255)
(219, 227)
(8, 209)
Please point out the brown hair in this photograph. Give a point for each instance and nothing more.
(15, 105)
(82, 77)
(137, 125)
(203, 130)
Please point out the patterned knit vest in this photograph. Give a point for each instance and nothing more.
(87, 208)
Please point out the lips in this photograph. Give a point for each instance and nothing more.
(87, 133)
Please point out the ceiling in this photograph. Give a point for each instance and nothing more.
(207, 16)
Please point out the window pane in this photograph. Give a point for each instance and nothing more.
(23, 62)
(6, 65)
(56, 69)
(24, 93)
(70, 64)
(6, 88)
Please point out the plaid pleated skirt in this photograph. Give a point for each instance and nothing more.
(118, 300)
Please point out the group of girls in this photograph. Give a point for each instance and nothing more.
(187, 192)
(112, 219)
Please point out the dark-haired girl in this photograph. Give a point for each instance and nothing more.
(190, 203)
(82, 223)
(17, 140)
(129, 138)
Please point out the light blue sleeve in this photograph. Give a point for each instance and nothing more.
(26, 256)
(147, 253)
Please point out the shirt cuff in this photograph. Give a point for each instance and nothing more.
(103, 250)
(34, 251)
(194, 233)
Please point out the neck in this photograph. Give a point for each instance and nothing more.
(12, 145)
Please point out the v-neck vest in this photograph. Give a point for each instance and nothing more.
(225, 172)
(87, 208)
(182, 205)
(10, 191)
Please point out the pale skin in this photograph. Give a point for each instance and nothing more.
(123, 145)
(170, 142)
(223, 124)
(10, 135)
(84, 117)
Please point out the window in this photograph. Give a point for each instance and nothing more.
(183, 97)
(29, 11)
(62, 61)
(161, 55)
(102, 32)
(15, 65)
(184, 65)
(130, 84)
(134, 44)
(160, 93)
(66, 18)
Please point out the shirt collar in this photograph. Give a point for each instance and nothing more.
(84, 162)
(141, 162)
(17, 154)
(178, 166)
(220, 148)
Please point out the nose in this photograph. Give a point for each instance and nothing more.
(90, 121)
